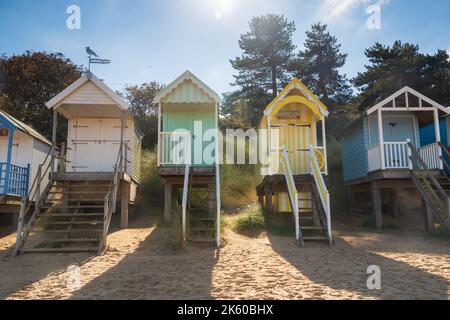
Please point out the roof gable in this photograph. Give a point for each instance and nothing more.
(408, 99)
(187, 88)
(296, 84)
(88, 81)
(14, 123)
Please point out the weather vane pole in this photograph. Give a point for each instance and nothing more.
(95, 60)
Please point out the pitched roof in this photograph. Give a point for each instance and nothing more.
(177, 82)
(297, 84)
(24, 127)
(88, 76)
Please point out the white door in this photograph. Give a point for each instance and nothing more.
(109, 144)
(87, 134)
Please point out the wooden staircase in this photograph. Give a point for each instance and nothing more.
(201, 210)
(68, 214)
(433, 188)
(312, 223)
(71, 219)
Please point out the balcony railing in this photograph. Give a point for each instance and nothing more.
(14, 180)
(175, 148)
(396, 156)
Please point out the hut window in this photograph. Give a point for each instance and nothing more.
(3, 132)
(393, 124)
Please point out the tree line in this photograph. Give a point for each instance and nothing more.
(269, 60)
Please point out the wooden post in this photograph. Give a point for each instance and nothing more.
(167, 202)
(122, 135)
(55, 127)
(8, 161)
(324, 142)
(437, 131)
(261, 200)
(381, 138)
(394, 204)
(269, 205)
(124, 201)
(38, 185)
(21, 219)
(429, 218)
(159, 136)
(376, 205)
(351, 200)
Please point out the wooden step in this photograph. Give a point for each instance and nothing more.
(78, 192)
(74, 207)
(202, 240)
(70, 240)
(73, 231)
(312, 228)
(71, 215)
(59, 250)
(202, 218)
(315, 238)
(201, 229)
(64, 223)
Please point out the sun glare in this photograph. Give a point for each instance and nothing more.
(222, 8)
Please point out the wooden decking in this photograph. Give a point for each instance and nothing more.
(178, 171)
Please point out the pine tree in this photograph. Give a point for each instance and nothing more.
(318, 67)
(401, 65)
(267, 52)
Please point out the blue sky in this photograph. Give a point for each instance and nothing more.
(160, 39)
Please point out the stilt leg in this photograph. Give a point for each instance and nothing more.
(167, 203)
(124, 201)
(376, 205)
(429, 219)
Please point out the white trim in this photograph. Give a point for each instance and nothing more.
(407, 90)
(381, 138)
(88, 76)
(306, 94)
(159, 136)
(437, 130)
(324, 142)
(186, 76)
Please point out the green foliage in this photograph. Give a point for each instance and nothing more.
(152, 188)
(140, 98)
(253, 220)
(318, 67)
(237, 184)
(401, 65)
(32, 79)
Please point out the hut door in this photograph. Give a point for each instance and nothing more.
(86, 150)
(109, 144)
(299, 144)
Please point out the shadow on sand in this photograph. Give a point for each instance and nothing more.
(344, 267)
(152, 272)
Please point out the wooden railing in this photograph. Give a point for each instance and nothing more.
(430, 188)
(185, 201)
(36, 196)
(14, 180)
(110, 202)
(430, 155)
(293, 194)
(175, 148)
(396, 156)
(322, 190)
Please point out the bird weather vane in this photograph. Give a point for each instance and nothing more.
(96, 59)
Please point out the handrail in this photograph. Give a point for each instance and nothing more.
(185, 198)
(36, 195)
(111, 196)
(441, 196)
(218, 203)
(428, 174)
(293, 193)
(445, 160)
(322, 188)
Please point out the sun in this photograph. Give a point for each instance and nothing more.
(222, 8)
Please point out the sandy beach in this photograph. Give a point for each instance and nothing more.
(139, 264)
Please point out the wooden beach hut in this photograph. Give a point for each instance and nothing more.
(22, 150)
(188, 157)
(295, 178)
(384, 153)
(99, 169)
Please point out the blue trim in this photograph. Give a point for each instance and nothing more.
(8, 161)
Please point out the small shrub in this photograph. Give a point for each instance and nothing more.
(250, 220)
